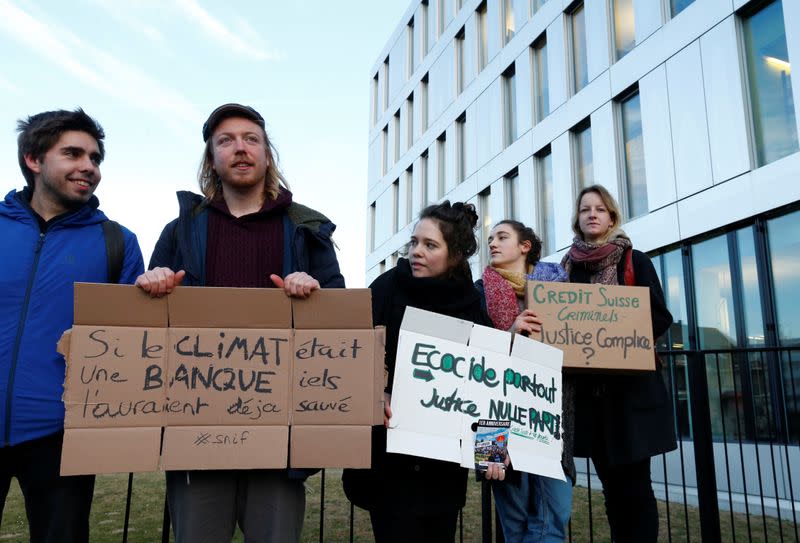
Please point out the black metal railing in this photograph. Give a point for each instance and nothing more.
(732, 478)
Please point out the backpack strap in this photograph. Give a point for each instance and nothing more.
(115, 249)
(630, 277)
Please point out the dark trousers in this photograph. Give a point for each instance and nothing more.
(206, 506)
(630, 503)
(392, 526)
(57, 507)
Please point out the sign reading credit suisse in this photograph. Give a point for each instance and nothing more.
(597, 326)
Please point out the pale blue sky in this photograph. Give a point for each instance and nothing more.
(152, 70)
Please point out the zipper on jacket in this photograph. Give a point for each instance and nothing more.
(18, 341)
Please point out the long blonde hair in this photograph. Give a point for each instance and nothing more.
(611, 205)
(211, 184)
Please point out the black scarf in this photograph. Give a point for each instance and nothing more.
(454, 297)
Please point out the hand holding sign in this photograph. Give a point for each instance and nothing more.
(159, 281)
(297, 284)
(527, 323)
(387, 408)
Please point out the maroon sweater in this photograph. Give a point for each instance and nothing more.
(244, 251)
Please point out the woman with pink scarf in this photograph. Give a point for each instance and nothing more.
(621, 421)
(531, 508)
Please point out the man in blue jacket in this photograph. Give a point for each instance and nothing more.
(52, 236)
(244, 231)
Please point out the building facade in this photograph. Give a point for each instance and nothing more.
(683, 109)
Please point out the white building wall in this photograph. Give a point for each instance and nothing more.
(725, 102)
(658, 151)
(689, 127)
(694, 114)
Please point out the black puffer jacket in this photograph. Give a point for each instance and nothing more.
(398, 481)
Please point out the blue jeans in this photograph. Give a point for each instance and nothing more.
(536, 510)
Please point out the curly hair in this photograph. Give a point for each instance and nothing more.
(39, 133)
(457, 223)
(526, 233)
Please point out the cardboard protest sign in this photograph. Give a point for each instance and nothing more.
(230, 356)
(599, 327)
(337, 356)
(451, 373)
(215, 369)
(118, 338)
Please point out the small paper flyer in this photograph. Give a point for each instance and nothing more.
(491, 440)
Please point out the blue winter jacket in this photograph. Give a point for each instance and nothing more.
(36, 304)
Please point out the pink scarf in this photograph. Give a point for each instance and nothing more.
(501, 301)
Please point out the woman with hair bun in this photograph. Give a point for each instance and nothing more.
(412, 498)
(621, 421)
(531, 508)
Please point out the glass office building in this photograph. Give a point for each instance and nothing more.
(683, 109)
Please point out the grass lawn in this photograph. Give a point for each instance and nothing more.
(108, 513)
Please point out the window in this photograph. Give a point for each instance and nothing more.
(483, 38)
(633, 155)
(547, 222)
(770, 84)
(445, 14)
(459, 52)
(410, 60)
(784, 244)
(385, 83)
(395, 206)
(742, 294)
(580, 66)
(408, 200)
(509, 26)
(511, 180)
(729, 315)
(485, 225)
(461, 149)
(423, 90)
(536, 4)
(385, 150)
(423, 179)
(582, 146)
(375, 99)
(541, 104)
(409, 114)
(423, 31)
(396, 122)
(441, 164)
(624, 29)
(372, 226)
(433, 23)
(509, 106)
(669, 267)
(679, 5)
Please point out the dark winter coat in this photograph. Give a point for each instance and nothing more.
(626, 418)
(307, 247)
(307, 244)
(398, 481)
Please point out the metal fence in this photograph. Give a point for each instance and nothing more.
(733, 476)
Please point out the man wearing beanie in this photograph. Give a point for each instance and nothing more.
(243, 231)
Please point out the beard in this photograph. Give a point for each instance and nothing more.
(56, 192)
